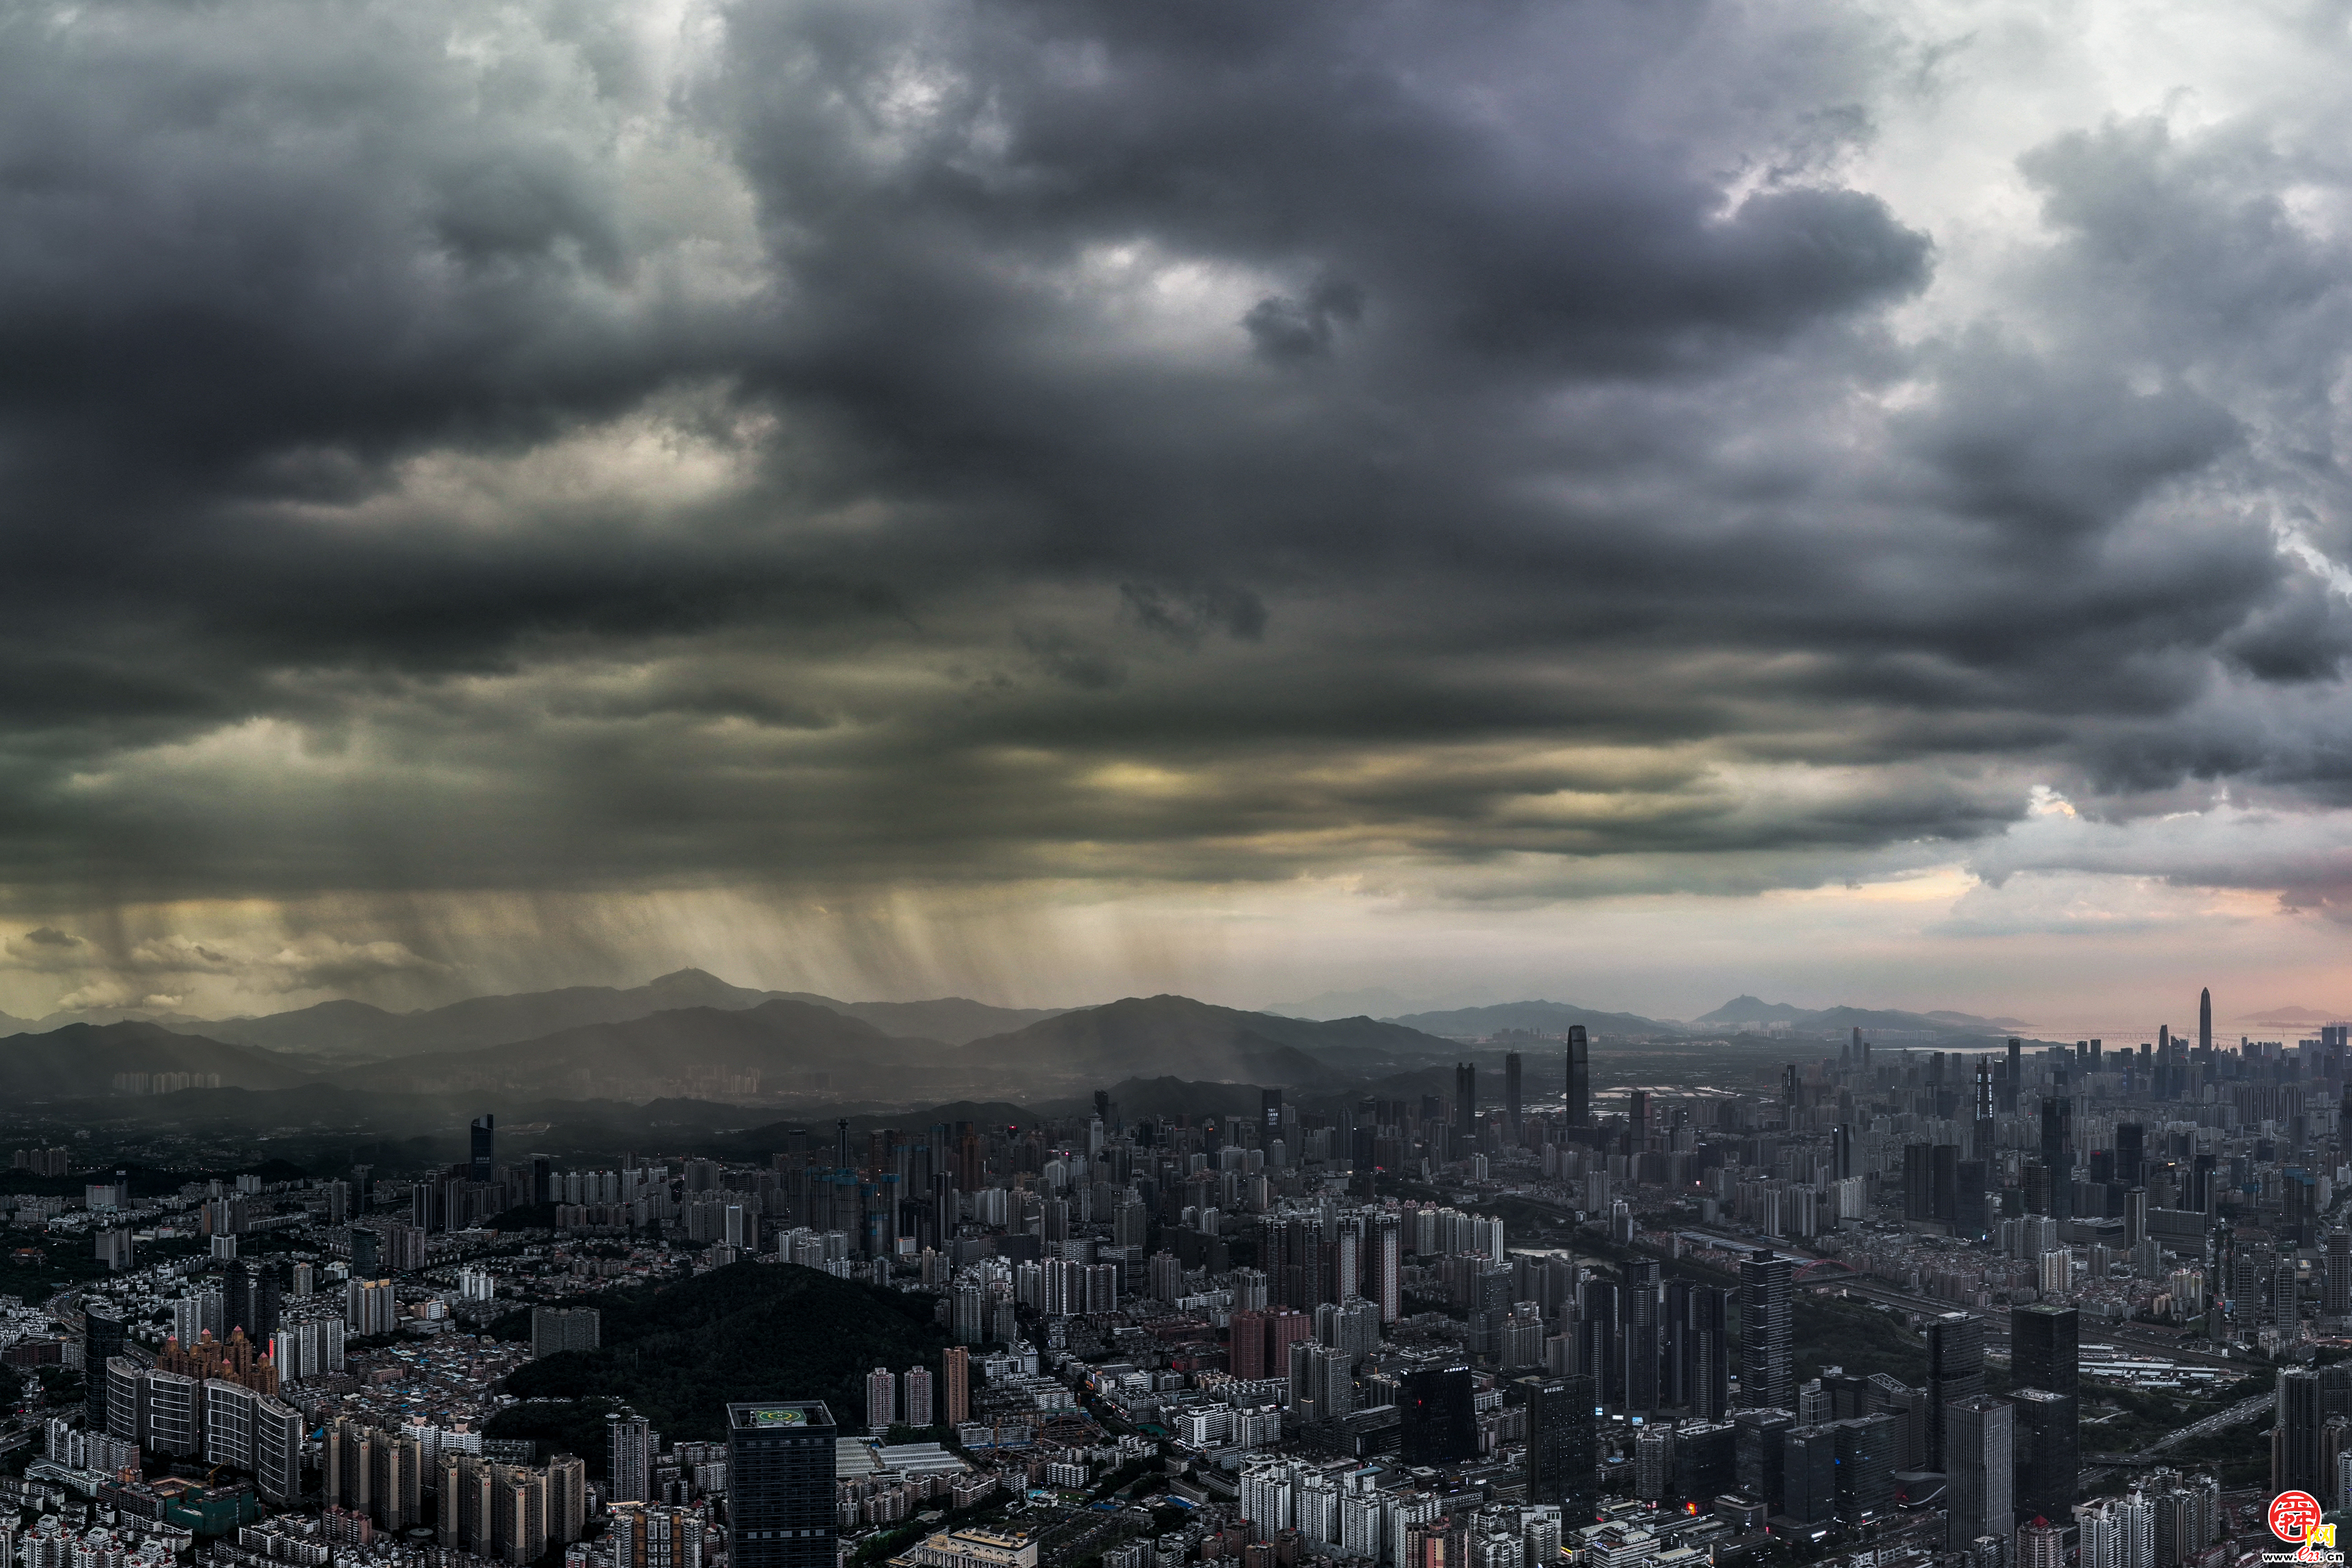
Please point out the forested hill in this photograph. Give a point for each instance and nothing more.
(679, 1353)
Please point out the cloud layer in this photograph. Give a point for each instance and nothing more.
(1485, 455)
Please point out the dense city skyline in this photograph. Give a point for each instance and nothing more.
(1050, 502)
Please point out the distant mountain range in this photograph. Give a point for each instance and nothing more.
(94, 1059)
(691, 1035)
(1535, 1017)
(354, 1029)
(1152, 1037)
(1367, 1002)
(1746, 1009)
(772, 1048)
(2294, 1015)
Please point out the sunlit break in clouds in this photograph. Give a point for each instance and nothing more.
(1045, 501)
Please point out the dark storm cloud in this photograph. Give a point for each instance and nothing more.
(868, 443)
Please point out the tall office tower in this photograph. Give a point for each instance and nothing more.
(102, 1342)
(1579, 1077)
(1707, 1375)
(1947, 1194)
(2131, 1153)
(1563, 1459)
(1768, 1371)
(1865, 1467)
(542, 1179)
(955, 1379)
(1955, 1374)
(2335, 1296)
(2014, 1084)
(2045, 1344)
(1758, 1453)
(1985, 1145)
(1466, 1102)
(1440, 1416)
(2058, 1154)
(2046, 1434)
(1841, 1152)
(2297, 1458)
(1918, 1182)
(1980, 1470)
(780, 1484)
(1809, 1474)
(1886, 1396)
(1514, 1100)
(1596, 1342)
(629, 1459)
(1269, 1101)
(1639, 1343)
(484, 1150)
(1388, 1266)
(2205, 1020)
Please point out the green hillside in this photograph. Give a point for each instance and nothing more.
(680, 1353)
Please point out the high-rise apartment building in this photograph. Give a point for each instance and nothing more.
(881, 1398)
(1388, 1266)
(370, 1307)
(955, 1379)
(645, 1537)
(554, 1329)
(780, 1484)
(629, 1448)
(916, 1385)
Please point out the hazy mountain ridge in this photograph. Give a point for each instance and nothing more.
(1537, 1017)
(952, 1020)
(792, 1046)
(347, 1028)
(1746, 1009)
(84, 1058)
(1364, 1002)
(1153, 1037)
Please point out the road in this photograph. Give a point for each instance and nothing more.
(2248, 1409)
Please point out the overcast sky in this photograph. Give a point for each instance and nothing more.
(1622, 502)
